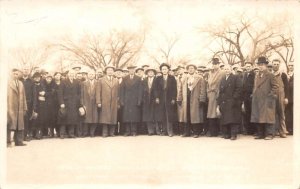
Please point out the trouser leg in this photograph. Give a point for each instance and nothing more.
(260, 130)
(269, 128)
(112, 130)
(62, 130)
(196, 129)
(133, 128)
(26, 127)
(85, 129)
(150, 128)
(186, 129)
(127, 129)
(158, 128)
(289, 118)
(104, 130)
(234, 130)
(8, 136)
(213, 126)
(71, 130)
(92, 129)
(18, 136)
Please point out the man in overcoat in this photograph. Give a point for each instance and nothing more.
(28, 86)
(131, 100)
(165, 94)
(282, 99)
(107, 99)
(148, 101)
(229, 103)
(88, 101)
(69, 98)
(180, 112)
(248, 83)
(264, 101)
(289, 110)
(213, 85)
(16, 109)
(191, 98)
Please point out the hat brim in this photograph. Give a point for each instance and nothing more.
(164, 65)
(146, 72)
(187, 67)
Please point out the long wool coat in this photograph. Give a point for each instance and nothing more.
(198, 94)
(39, 106)
(180, 109)
(131, 99)
(107, 94)
(230, 100)
(165, 108)
(213, 85)
(88, 101)
(16, 105)
(264, 98)
(70, 96)
(148, 101)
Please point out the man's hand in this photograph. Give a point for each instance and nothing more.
(99, 105)
(243, 108)
(62, 106)
(157, 100)
(41, 98)
(286, 101)
(42, 93)
(172, 102)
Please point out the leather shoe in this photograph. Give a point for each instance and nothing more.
(282, 135)
(268, 138)
(259, 137)
(233, 138)
(20, 144)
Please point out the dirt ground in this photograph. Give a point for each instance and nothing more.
(152, 162)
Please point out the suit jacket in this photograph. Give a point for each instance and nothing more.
(248, 84)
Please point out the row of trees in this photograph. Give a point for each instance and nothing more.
(236, 39)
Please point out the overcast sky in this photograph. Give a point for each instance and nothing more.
(28, 23)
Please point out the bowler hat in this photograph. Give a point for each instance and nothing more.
(36, 74)
(262, 60)
(215, 61)
(138, 69)
(164, 64)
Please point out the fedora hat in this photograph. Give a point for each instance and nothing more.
(189, 65)
(131, 66)
(215, 61)
(262, 60)
(109, 66)
(138, 69)
(150, 69)
(164, 64)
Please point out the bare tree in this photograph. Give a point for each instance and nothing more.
(96, 51)
(164, 49)
(236, 34)
(31, 57)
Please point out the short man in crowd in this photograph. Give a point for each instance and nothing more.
(229, 103)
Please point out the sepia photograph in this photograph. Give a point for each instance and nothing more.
(149, 94)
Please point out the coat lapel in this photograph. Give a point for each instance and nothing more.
(13, 86)
(108, 82)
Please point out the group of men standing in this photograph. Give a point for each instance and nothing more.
(186, 101)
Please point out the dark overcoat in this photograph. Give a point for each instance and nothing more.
(107, 94)
(131, 99)
(165, 107)
(229, 100)
(70, 96)
(51, 108)
(16, 105)
(148, 101)
(28, 86)
(88, 100)
(248, 83)
(39, 106)
(57, 88)
(264, 98)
